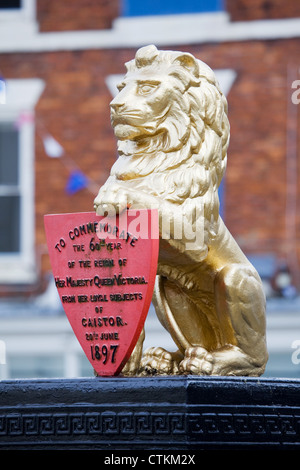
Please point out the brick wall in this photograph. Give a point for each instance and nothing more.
(74, 109)
(247, 10)
(56, 15)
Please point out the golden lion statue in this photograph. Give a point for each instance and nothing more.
(170, 119)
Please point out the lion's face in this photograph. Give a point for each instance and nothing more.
(143, 103)
(170, 119)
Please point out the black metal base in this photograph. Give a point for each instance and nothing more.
(155, 413)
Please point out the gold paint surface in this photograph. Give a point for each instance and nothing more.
(170, 119)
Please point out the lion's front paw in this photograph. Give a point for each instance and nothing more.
(111, 199)
(197, 361)
(158, 361)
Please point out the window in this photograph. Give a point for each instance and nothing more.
(17, 253)
(169, 7)
(10, 4)
(9, 189)
(17, 17)
(35, 366)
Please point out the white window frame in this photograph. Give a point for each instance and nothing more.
(19, 21)
(21, 98)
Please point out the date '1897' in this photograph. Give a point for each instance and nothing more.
(105, 354)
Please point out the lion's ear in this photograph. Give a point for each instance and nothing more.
(189, 62)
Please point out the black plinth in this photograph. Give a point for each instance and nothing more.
(164, 413)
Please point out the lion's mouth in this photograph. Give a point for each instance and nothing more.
(125, 116)
(135, 118)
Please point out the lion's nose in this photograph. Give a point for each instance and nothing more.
(116, 106)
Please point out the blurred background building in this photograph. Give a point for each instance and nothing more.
(59, 63)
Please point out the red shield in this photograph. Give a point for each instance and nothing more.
(104, 270)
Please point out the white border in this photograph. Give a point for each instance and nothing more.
(161, 30)
(21, 97)
(20, 21)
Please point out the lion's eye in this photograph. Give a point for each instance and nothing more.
(146, 89)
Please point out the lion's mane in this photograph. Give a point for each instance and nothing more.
(185, 158)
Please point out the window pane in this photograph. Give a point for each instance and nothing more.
(29, 366)
(169, 7)
(10, 4)
(9, 224)
(9, 154)
(85, 367)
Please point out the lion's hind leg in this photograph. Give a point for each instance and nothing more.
(240, 304)
(240, 298)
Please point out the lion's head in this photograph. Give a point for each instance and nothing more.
(170, 118)
(150, 102)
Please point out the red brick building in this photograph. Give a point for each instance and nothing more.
(74, 107)
(57, 59)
